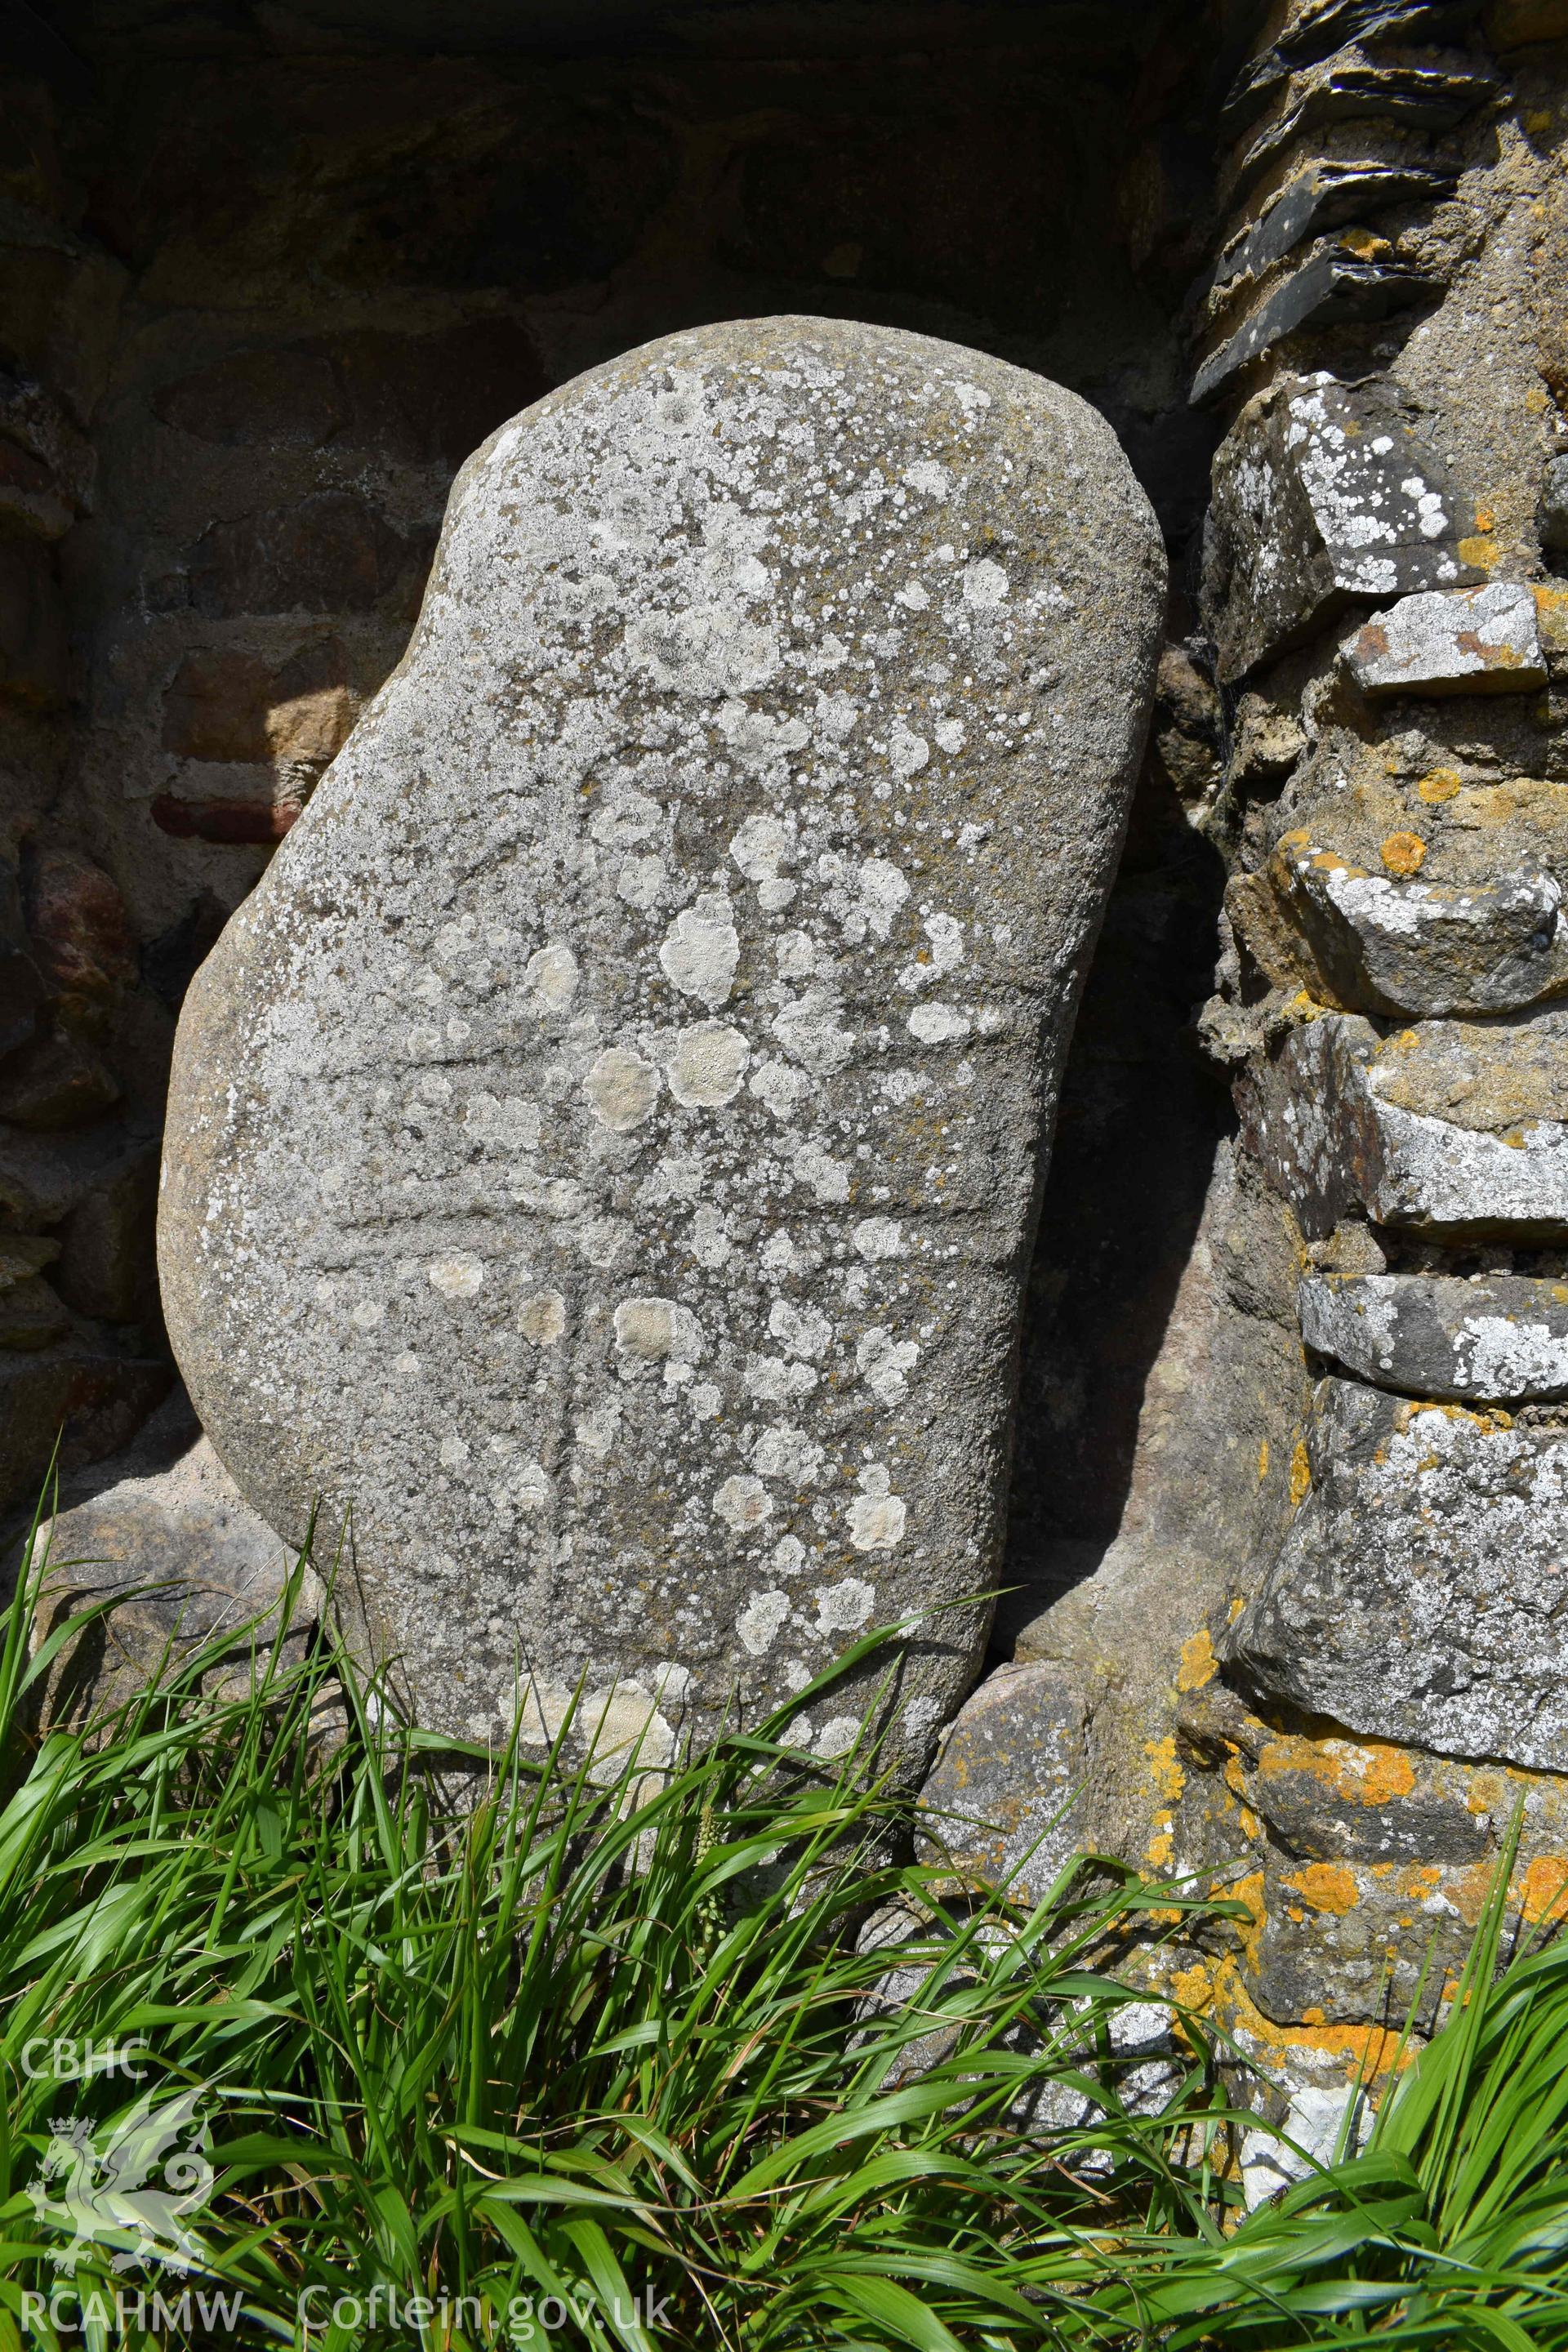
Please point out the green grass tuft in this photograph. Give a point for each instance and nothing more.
(605, 2059)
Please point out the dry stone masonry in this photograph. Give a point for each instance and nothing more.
(1337, 1717)
(603, 1154)
(1388, 1012)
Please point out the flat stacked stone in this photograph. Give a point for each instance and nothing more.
(1418, 1596)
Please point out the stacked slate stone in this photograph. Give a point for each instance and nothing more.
(1392, 1003)
(1339, 1722)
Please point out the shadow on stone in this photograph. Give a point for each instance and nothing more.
(1141, 1122)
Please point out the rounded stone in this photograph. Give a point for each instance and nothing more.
(702, 903)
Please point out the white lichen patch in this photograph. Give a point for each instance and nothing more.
(553, 975)
(542, 1319)
(744, 1504)
(622, 1090)
(707, 1064)
(878, 1518)
(653, 1328)
(938, 1024)
(845, 1607)
(701, 950)
(762, 1621)
(457, 1276)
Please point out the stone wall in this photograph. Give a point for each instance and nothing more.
(1320, 1652)
(264, 289)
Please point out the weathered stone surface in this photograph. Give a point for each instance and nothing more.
(1438, 823)
(1322, 492)
(1552, 513)
(260, 816)
(604, 1151)
(327, 554)
(165, 1515)
(23, 1255)
(57, 1082)
(1322, 195)
(1419, 1595)
(44, 1179)
(1003, 1804)
(35, 653)
(1514, 24)
(107, 1259)
(1189, 727)
(1382, 944)
(47, 463)
(1496, 1338)
(1364, 1863)
(1457, 1126)
(79, 937)
(1319, 27)
(1337, 281)
(1320, 2126)
(31, 1316)
(89, 1403)
(1320, 1796)
(1352, 85)
(414, 398)
(1458, 641)
(225, 705)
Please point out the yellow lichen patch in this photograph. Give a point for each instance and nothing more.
(1236, 1606)
(1160, 1847)
(1300, 1474)
(1486, 519)
(1194, 1988)
(1263, 1462)
(1364, 1771)
(1420, 1882)
(1384, 1771)
(1251, 1827)
(1441, 785)
(1163, 1769)
(1402, 853)
(1551, 613)
(1327, 1887)
(1468, 1890)
(1481, 550)
(1199, 1666)
(1366, 2052)
(1545, 1892)
(1250, 1893)
(1366, 244)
